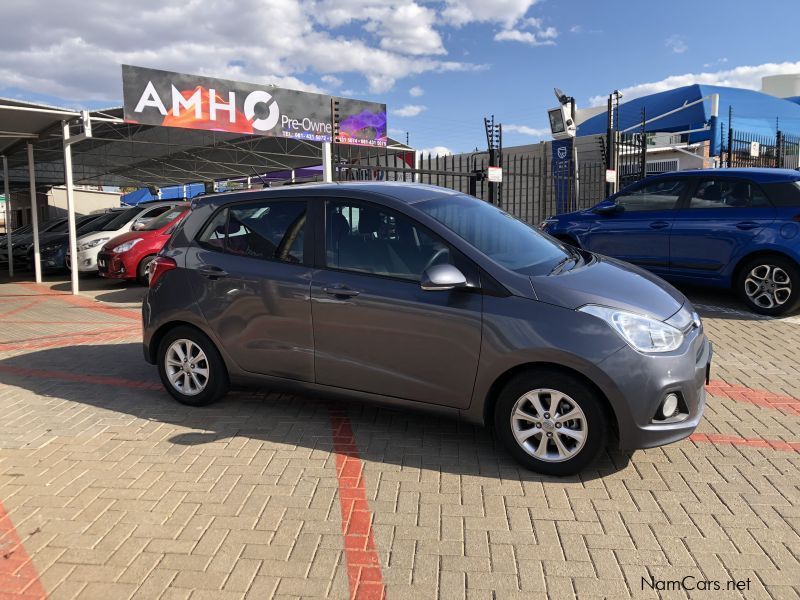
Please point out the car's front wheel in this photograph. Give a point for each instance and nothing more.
(191, 367)
(770, 285)
(552, 423)
(143, 270)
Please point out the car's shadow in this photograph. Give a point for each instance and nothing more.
(128, 387)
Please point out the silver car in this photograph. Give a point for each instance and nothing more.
(415, 296)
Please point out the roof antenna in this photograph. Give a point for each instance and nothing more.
(266, 183)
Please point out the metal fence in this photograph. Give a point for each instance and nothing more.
(747, 149)
(530, 189)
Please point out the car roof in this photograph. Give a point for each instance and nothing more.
(407, 192)
(759, 175)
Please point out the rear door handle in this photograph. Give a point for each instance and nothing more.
(213, 272)
(747, 225)
(341, 291)
(659, 224)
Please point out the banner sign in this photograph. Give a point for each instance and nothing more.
(153, 97)
(562, 173)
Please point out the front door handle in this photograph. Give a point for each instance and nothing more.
(340, 290)
(213, 272)
(659, 224)
(747, 225)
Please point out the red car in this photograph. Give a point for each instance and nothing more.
(129, 255)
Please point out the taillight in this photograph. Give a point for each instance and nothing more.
(159, 266)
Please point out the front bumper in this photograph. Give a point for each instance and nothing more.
(644, 380)
(87, 260)
(112, 266)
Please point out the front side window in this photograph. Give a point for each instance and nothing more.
(662, 194)
(370, 239)
(727, 193)
(266, 230)
(122, 219)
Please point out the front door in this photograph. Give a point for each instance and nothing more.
(249, 273)
(375, 329)
(638, 232)
(716, 225)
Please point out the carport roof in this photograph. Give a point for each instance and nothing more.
(129, 154)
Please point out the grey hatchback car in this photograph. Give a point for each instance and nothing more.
(416, 296)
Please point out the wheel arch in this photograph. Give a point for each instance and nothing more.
(545, 367)
(737, 269)
(160, 333)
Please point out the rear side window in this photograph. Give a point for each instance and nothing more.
(266, 230)
(727, 193)
(785, 193)
(662, 194)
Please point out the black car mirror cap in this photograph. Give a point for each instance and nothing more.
(442, 278)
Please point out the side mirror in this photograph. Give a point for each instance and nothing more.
(608, 208)
(137, 226)
(442, 278)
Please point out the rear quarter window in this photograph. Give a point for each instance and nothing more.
(784, 193)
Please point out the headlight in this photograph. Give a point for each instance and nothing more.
(93, 243)
(51, 248)
(125, 246)
(643, 333)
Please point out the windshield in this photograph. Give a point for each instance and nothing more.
(498, 235)
(165, 219)
(94, 223)
(56, 226)
(122, 219)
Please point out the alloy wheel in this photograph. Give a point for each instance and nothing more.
(768, 286)
(187, 367)
(549, 425)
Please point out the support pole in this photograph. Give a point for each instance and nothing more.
(327, 164)
(73, 237)
(8, 216)
(37, 263)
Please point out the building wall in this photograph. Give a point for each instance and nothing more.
(86, 201)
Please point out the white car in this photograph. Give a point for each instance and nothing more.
(134, 218)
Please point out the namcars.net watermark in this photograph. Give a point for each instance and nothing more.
(691, 583)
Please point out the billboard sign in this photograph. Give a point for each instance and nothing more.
(153, 97)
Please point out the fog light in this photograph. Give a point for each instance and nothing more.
(670, 406)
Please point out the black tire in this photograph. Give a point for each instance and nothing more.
(595, 427)
(141, 271)
(217, 382)
(747, 285)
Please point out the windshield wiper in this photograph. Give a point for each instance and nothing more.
(559, 266)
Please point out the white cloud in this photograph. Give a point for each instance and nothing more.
(677, 44)
(545, 37)
(507, 12)
(436, 151)
(332, 81)
(525, 130)
(747, 77)
(416, 91)
(72, 49)
(409, 110)
(714, 63)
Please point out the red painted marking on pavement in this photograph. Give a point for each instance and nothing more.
(19, 309)
(363, 566)
(716, 438)
(747, 395)
(82, 302)
(80, 377)
(70, 339)
(18, 576)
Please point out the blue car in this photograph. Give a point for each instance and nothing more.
(727, 228)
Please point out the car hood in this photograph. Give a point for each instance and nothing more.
(96, 235)
(130, 235)
(610, 282)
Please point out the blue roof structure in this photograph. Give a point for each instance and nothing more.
(167, 193)
(754, 112)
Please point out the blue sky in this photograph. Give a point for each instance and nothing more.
(439, 66)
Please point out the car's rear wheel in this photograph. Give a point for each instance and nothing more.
(143, 270)
(191, 367)
(770, 285)
(552, 423)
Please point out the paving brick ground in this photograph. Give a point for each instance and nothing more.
(109, 489)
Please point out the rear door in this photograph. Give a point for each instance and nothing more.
(250, 274)
(375, 329)
(639, 231)
(717, 222)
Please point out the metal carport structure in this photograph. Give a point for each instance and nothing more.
(46, 146)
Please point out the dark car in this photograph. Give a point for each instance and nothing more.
(420, 297)
(53, 248)
(729, 228)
